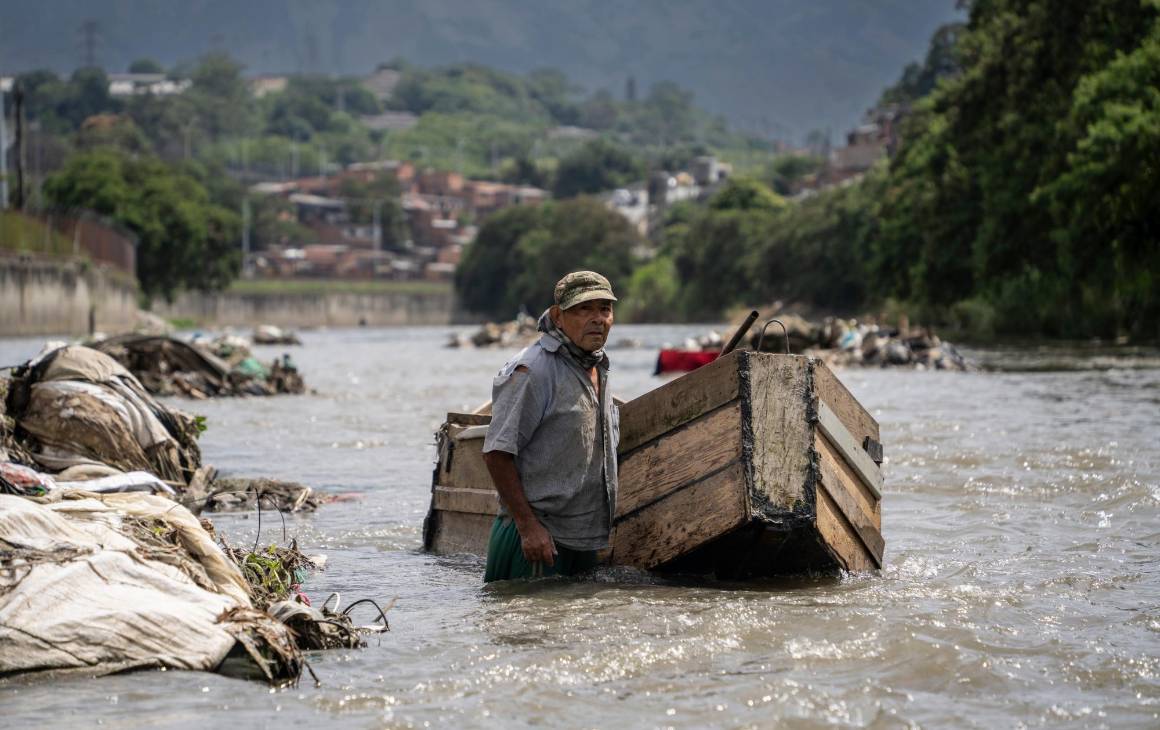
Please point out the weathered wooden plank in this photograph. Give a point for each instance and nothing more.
(866, 502)
(682, 521)
(472, 432)
(460, 532)
(474, 501)
(840, 536)
(779, 398)
(841, 490)
(679, 457)
(678, 402)
(467, 468)
(851, 450)
(469, 419)
(850, 412)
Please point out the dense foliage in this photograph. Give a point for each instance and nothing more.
(184, 240)
(1022, 186)
(1020, 199)
(521, 252)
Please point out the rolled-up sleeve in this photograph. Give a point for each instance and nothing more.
(516, 412)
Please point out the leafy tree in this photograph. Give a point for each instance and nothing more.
(184, 241)
(975, 203)
(521, 252)
(1103, 201)
(746, 194)
(942, 61)
(112, 130)
(553, 91)
(145, 66)
(597, 166)
(654, 293)
(220, 96)
(787, 171)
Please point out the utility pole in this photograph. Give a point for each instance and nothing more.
(18, 118)
(3, 152)
(245, 236)
(378, 225)
(89, 34)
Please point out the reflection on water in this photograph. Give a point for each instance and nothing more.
(1021, 583)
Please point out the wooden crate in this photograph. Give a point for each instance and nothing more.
(754, 465)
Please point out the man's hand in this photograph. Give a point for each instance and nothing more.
(535, 540)
(537, 543)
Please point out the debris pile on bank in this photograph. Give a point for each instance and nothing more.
(222, 367)
(102, 571)
(850, 343)
(83, 420)
(96, 584)
(518, 332)
(268, 334)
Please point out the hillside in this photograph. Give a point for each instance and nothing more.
(776, 67)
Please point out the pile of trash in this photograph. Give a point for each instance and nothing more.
(850, 343)
(103, 567)
(519, 332)
(97, 584)
(80, 415)
(268, 334)
(80, 419)
(220, 367)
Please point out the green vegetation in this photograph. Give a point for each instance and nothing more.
(522, 251)
(1020, 200)
(184, 240)
(1022, 183)
(28, 235)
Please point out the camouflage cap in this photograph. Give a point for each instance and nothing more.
(582, 286)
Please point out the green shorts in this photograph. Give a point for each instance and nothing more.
(505, 556)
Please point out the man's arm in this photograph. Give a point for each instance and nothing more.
(534, 538)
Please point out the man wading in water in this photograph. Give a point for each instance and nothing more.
(551, 445)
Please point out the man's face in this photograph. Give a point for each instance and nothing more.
(587, 323)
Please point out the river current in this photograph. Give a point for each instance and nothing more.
(1021, 514)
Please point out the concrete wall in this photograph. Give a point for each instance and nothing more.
(55, 297)
(333, 309)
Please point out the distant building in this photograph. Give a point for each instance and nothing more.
(574, 133)
(441, 207)
(382, 83)
(390, 121)
(139, 84)
(874, 139)
(262, 85)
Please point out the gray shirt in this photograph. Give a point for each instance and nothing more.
(564, 441)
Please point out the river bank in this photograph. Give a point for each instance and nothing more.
(1019, 583)
(322, 303)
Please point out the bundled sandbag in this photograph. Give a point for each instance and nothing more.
(268, 334)
(105, 583)
(169, 366)
(82, 409)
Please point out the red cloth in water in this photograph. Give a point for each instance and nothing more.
(683, 361)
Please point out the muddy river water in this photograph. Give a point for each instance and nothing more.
(1022, 583)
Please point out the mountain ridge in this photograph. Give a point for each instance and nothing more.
(774, 67)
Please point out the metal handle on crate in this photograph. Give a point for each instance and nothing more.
(784, 332)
